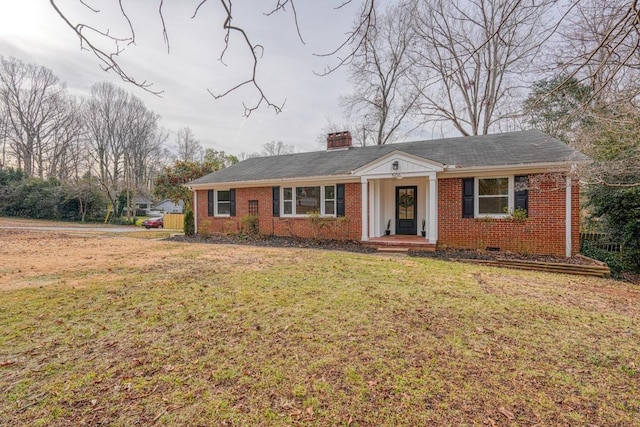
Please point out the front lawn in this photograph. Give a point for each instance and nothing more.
(244, 336)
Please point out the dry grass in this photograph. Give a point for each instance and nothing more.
(155, 332)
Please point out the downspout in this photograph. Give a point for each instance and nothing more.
(568, 209)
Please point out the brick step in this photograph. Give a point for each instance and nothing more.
(392, 250)
(412, 246)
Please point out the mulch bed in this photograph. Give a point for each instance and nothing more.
(276, 242)
(461, 254)
(355, 246)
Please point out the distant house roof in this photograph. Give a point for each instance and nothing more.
(169, 203)
(513, 148)
(141, 200)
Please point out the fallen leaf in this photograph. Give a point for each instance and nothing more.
(506, 413)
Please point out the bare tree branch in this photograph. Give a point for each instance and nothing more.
(280, 6)
(355, 39)
(248, 109)
(108, 60)
(165, 35)
(89, 7)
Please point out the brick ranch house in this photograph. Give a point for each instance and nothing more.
(508, 192)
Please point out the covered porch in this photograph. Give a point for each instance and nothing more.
(400, 201)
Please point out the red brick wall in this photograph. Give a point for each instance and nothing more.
(543, 232)
(347, 228)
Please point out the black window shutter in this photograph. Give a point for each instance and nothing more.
(276, 200)
(232, 202)
(340, 200)
(467, 197)
(210, 202)
(521, 192)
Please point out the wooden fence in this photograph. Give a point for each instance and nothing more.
(173, 221)
(601, 241)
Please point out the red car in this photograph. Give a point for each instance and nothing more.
(153, 223)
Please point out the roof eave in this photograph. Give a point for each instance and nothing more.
(538, 167)
(343, 178)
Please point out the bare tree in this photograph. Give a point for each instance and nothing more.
(277, 149)
(4, 135)
(245, 155)
(187, 148)
(612, 139)
(472, 55)
(598, 43)
(125, 143)
(382, 96)
(272, 148)
(66, 144)
(105, 115)
(33, 98)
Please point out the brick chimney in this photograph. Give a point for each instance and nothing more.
(339, 140)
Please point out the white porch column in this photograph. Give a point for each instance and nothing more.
(426, 205)
(364, 207)
(568, 218)
(373, 213)
(433, 209)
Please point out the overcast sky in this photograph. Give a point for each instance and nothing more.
(32, 31)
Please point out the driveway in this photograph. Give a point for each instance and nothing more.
(59, 226)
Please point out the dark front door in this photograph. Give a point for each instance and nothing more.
(406, 222)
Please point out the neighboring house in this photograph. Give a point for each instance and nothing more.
(143, 203)
(168, 206)
(465, 190)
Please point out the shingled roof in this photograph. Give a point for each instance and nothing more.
(513, 148)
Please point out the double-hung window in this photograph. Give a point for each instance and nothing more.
(223, 203)
(329, 200)
(306, 200)
(494, 196)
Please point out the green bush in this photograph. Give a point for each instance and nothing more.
(620, 208)
(46, 199)
(189, 223)
(612, 259)
(250, 224)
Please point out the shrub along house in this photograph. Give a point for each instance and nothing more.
(509, 192)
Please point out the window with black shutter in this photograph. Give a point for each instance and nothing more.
(340, 210)
(232, 202)
(210, 202)
(467, 197)
(521, 199)
(276, 201)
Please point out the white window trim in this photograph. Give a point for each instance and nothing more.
(215, 205)
(322, 200)
(476, 197)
